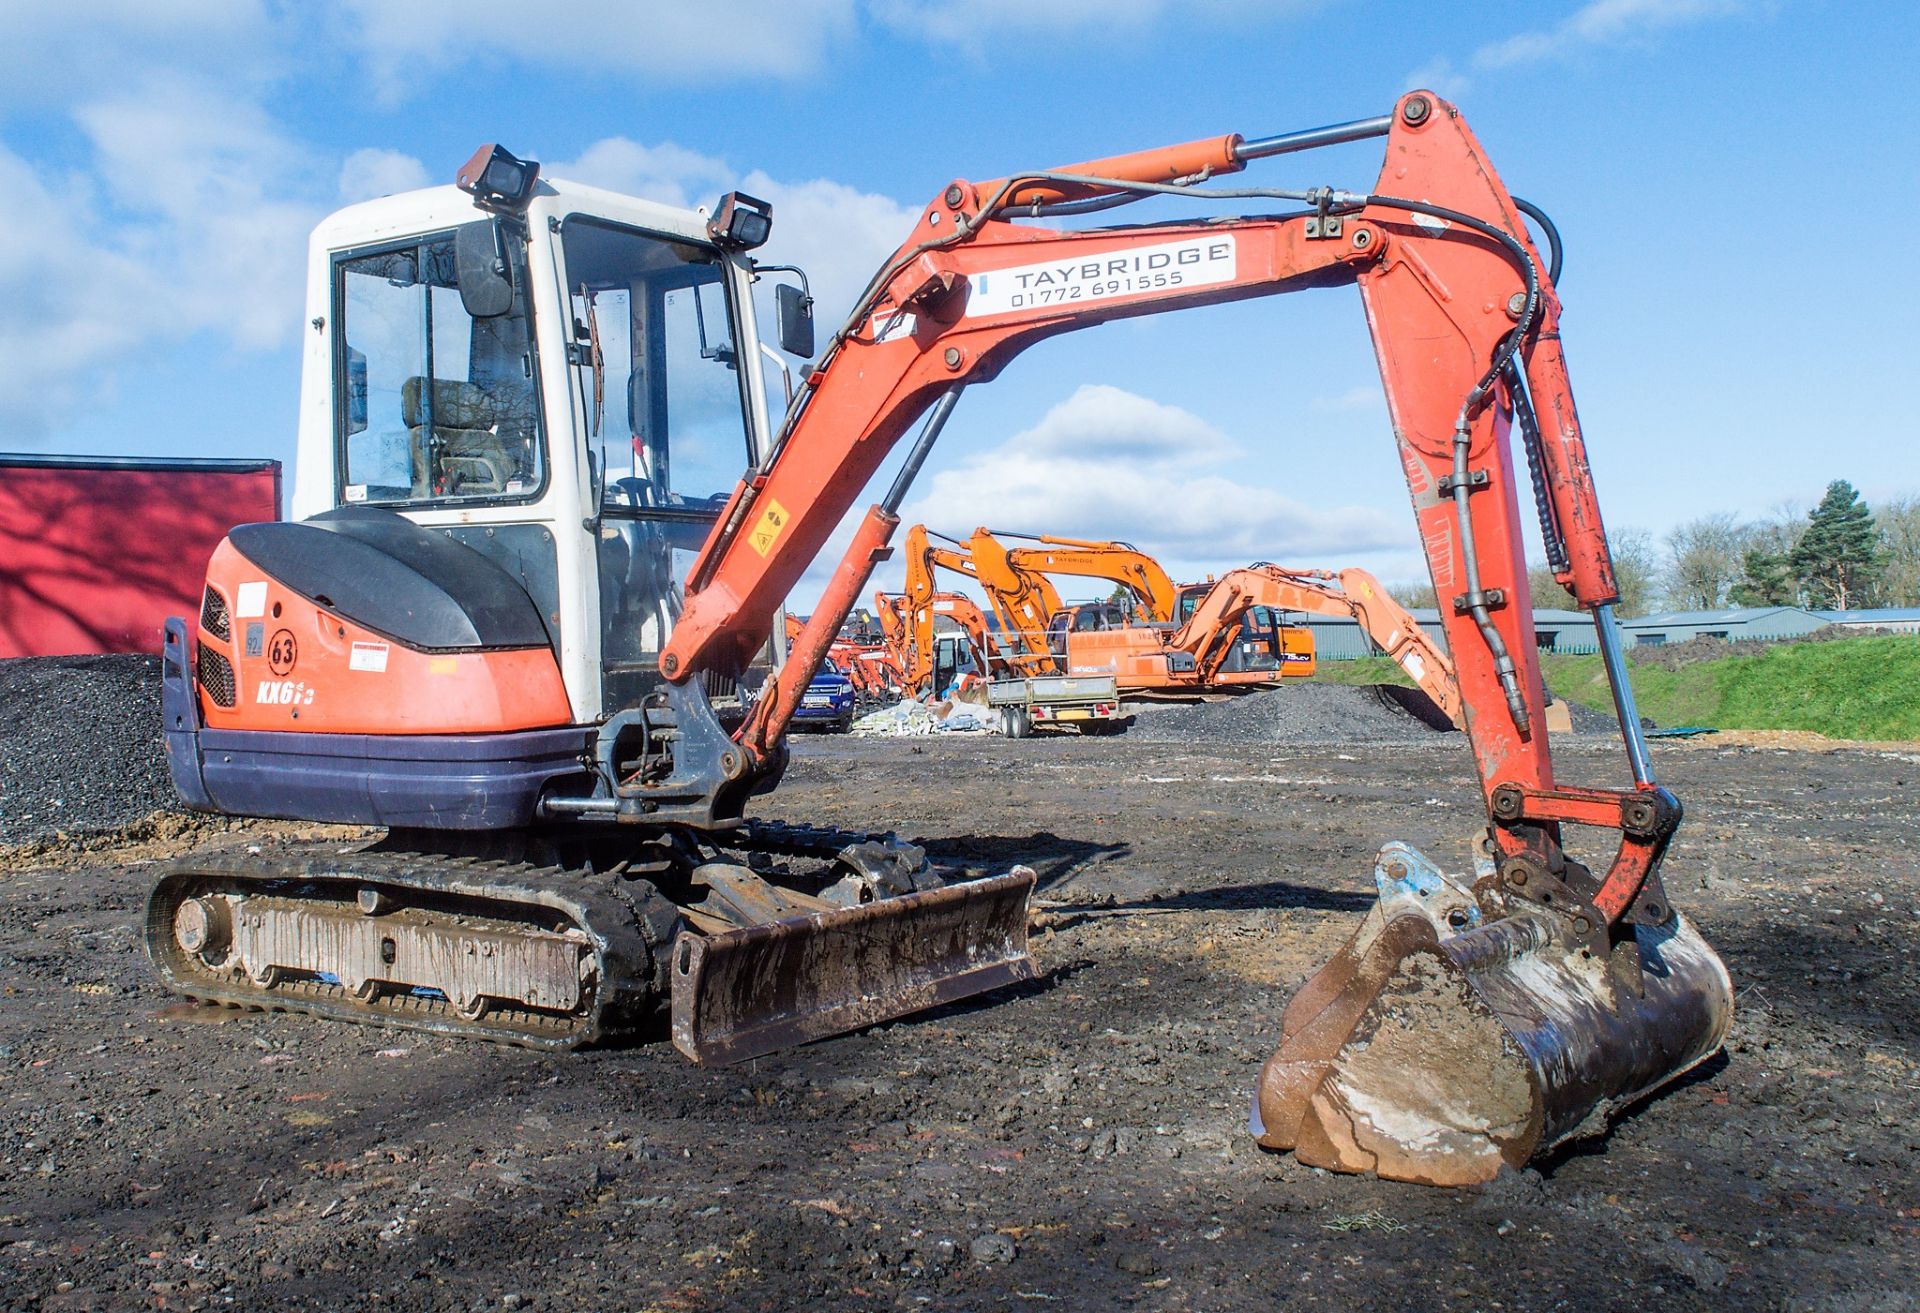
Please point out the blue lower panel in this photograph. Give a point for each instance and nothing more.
(430, 781)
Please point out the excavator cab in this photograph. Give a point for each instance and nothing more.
(525, 406)
(1260, 643)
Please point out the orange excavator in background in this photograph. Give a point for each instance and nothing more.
(480, 635)
(912, 631)
(864, 658)
(1105, 638)
(1264, 651)
(1040, 634)
(1211, 619)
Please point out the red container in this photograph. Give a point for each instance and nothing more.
(96, 551)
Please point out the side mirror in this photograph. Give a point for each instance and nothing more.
(356, 391)
(795, 313)
(482, 269)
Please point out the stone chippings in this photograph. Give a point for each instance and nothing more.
(81, 747)
(1305, 712)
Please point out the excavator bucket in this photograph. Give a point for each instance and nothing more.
(742, 992)
(1439, 1045)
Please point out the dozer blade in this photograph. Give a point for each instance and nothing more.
(1436, 1047)
(741, 993)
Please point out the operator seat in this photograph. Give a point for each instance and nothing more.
(466, 452)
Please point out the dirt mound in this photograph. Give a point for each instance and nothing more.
(1673, 656)
(1304, 712)
(80, 745)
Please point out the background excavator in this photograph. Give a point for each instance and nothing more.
(1211, 618)
(1040, 634)
(555, 692)
(1154, 594)
(914, 630)
(862, 653)
(1259, 648)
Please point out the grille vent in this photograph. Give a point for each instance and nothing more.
(216, 676)
(213, 616)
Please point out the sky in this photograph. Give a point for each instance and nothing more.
(1731, 178)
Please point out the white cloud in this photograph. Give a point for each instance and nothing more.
(211, 193)
(1597, 23)
(1109, 464)
(60, 51)
(373, 172)
(972, 26)
(1362, 399)
(656, 43)
(187, 218)
(63, 301)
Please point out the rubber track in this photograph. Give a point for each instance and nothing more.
(629, 923)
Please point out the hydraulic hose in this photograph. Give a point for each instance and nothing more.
(1529, 423)
(1539, 216)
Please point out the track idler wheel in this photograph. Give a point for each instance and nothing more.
(1438, 1045)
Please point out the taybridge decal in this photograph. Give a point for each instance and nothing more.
(1195, 262)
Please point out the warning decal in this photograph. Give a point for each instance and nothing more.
(1164, 266)
(772, 523)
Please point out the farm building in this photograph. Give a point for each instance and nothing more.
(1900, 619)
(1564, 631)
(1339, 638)
(1750, 624)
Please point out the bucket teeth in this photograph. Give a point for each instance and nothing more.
(1437, 1046)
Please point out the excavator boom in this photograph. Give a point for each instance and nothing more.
(1120, 563)
(1208, 633)
(1562, 990)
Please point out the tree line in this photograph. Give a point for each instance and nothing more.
(1840, 555)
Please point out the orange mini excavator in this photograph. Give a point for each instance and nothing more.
(532, 641)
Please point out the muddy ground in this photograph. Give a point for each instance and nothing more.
(1074, 1144)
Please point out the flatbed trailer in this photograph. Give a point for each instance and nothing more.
(1090, 703)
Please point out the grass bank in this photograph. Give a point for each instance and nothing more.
(1852, 688)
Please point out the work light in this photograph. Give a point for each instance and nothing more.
(742, 222)
(498, 180)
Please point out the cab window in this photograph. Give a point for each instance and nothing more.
(431, 404)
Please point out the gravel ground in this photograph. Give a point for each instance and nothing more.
(80, 745)
(1300, 712)
(1076, 1144)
